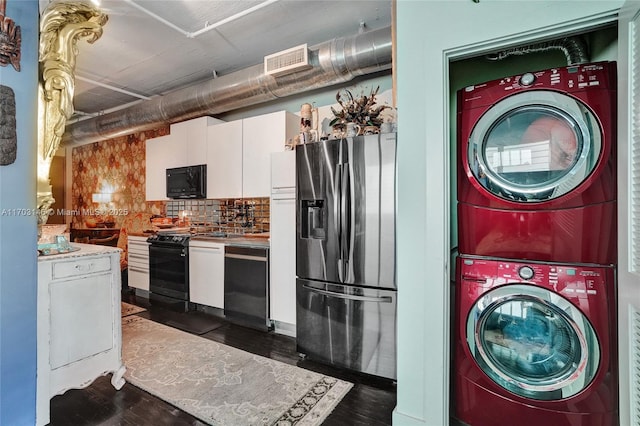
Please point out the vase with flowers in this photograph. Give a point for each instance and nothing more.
(362, 111)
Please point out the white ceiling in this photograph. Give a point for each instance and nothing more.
(151, 47)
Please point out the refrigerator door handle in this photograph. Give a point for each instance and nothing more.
(344, 229)
(382, 299)
(347, 227)
(338, 217)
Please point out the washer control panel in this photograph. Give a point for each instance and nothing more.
(570, 280)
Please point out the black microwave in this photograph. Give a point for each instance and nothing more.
(187, 182)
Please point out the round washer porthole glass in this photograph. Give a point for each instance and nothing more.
(532, 342)
(529, 342)
(532, 147)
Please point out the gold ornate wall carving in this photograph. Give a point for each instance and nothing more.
(62, 24)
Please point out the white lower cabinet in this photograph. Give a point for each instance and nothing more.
(206, 273)
(282, 281)
(79, 329)
(138, 262)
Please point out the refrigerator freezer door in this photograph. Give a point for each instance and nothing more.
(346, 211)
(348, 326)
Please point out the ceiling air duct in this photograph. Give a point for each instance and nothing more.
(574, 48)
(332, 62)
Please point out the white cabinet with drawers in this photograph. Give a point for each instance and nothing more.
(138, 262)
(78, 328)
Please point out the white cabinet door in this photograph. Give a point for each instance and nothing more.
(261, 136)
(283, 170)
(282, 279)
(191, 137)
(224, 160)
(90, 321)
(161, 153)
(282, 282)
(206, 273)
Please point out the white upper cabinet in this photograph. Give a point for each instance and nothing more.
(161, 153)
(191, 136)
(261, 136)
(224, 160)
(186, 145)
(237, 153)
(283, 171)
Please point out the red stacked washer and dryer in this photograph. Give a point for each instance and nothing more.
(535, 297)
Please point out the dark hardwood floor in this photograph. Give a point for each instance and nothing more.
(370, 401)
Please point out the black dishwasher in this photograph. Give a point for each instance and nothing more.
(246, 286)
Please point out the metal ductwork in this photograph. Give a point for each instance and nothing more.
(574, 48)
(333, 62)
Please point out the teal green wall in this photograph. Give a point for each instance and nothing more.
(18, 233)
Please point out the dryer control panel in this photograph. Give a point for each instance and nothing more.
(573, 78)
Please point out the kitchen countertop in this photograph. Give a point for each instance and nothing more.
(247, 240)
(235, 241)
(85, 250)
(141, 234)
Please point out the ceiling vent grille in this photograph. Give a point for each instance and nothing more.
(287, 61)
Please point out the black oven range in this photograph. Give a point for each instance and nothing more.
(169, 270)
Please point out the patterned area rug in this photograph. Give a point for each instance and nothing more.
(222, 385)
(129, 309)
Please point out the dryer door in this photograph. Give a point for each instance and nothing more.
(533, 342)
(534, 146)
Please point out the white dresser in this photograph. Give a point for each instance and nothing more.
(79, 328)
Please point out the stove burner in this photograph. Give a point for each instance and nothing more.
(170, 239)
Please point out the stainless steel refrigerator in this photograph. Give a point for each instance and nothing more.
(345, 253)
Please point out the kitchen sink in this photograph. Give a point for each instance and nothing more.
(220, 235)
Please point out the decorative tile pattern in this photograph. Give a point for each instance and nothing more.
(230, 215)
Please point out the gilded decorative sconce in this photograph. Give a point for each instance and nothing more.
(61, 25)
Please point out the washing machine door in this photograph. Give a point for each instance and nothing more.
(534, 146)
(533, 342)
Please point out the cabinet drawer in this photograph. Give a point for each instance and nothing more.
(138, 259)
(81, 267)
(142, 248)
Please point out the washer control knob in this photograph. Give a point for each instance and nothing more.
(526, 272)
(527, 79)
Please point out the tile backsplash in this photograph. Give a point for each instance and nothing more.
(244, 215)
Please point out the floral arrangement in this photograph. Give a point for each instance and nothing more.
(361, 111)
